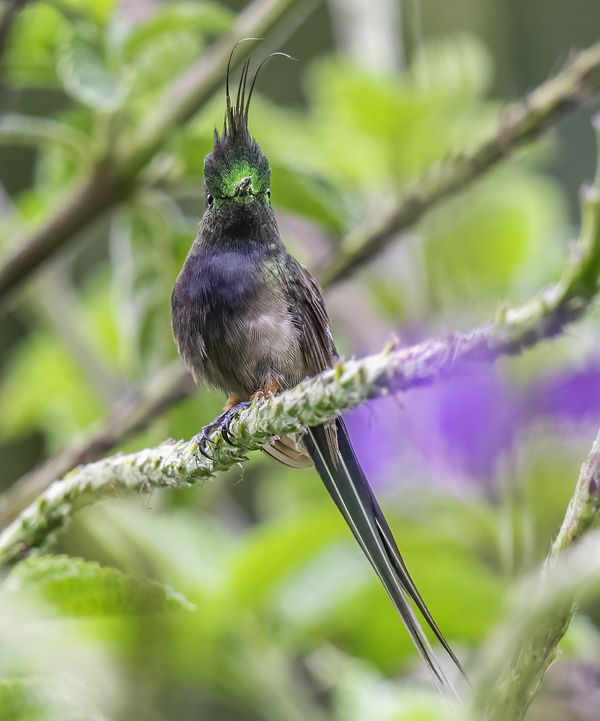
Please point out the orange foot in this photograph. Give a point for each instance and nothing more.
(271, 389)
(232, 401)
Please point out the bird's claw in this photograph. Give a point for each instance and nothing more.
(229, 415)
(202, 441)
(222, 423)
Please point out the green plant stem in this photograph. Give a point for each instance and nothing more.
(523, 648)
(584, 506)
(318, 399)
(519, 122)
(115, 177)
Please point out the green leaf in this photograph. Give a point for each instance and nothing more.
(158, 62)
(277, 550)
(479, 244)
(86, 73)
(38, 32)
(44, 386)
(18, 702)
(305, 195)
(97, 11)
(31, 130)
(141, 244)
(178, 17)
(190, 551)
(77, 587)
(32, 44)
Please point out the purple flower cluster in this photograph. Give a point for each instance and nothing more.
(461, 426)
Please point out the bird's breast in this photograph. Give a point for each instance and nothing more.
(232, 323)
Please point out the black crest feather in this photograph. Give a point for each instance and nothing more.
(235, 143)
(236, 115)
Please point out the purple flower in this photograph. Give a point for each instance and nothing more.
(459, 427)
(570, 395)
(464, 423)
(376, 431)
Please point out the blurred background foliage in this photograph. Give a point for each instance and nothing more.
(246, 598)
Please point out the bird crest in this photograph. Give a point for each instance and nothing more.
(236, 168)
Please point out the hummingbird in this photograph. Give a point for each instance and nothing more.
(250, 320)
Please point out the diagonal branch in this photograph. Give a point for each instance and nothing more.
(520, 122)
(115, 177)
(318, 399)
(523, 649)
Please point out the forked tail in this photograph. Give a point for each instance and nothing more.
(346, 482)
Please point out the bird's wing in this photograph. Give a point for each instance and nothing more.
(310, 316)
(336, 462)
(307, 309)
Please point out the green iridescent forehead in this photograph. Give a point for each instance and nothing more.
(242, 169)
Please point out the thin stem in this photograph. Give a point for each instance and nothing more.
(520, 653)
(56, 301)
(519, 122)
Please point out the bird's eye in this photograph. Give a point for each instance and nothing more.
(268, 191)
(209, 200)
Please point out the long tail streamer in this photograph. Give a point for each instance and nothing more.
(346, 483)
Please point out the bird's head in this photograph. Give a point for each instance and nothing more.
(236, 172)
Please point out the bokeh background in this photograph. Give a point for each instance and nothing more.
(246, 598)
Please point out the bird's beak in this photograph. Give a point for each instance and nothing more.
(244, 187)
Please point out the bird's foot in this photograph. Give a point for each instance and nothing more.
(222, 423)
